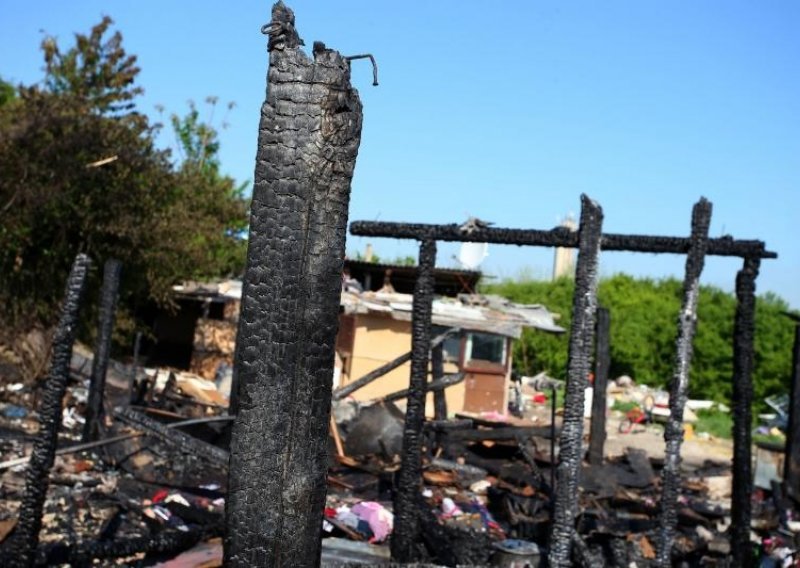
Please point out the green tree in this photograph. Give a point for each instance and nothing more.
(80, 172)
(643, 330)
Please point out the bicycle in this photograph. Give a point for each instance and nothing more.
(638, 415)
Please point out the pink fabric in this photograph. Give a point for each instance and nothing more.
(379, 519)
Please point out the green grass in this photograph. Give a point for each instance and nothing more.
(624, 405)
(769, 440)
(718, 424)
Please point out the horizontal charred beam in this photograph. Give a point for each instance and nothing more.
(433, 386)
(180, 440)
(376, 374)
(558, 237)
(166, 542)
(507, 433)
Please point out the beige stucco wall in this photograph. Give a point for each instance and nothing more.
(380, 339)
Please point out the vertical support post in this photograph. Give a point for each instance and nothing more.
(584, 305)
(743, 330)
(26, 534)
(602, 362)
(553, 438)
(679, 387)
(137, 344)
(406, 546)
(437, 369)
(102, 349)
(791, 471)
(309, 135)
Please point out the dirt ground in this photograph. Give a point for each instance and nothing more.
(694, 451)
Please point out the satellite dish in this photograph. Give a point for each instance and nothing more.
(471, 255)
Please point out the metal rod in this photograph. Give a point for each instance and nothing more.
(581, 340)
(406, 541)
(679, 387)
(374, 65)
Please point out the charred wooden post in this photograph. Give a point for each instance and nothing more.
(102, 350)
(44, 446)
(137, 343)
(437, 371)
(743, 331)
(308, 141)
(580, 345)
(791, 470)
(553, 462)
(679, 387)
(602, 362)
(406, 537)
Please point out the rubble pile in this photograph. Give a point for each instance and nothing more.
(151, 490)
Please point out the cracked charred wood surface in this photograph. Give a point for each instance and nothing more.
(679, 387)
(791, 470)
(602, 363)
(558, 237)
(102, 350)
(437, 371)
(580, 345)
(743, 331)
(406, 538)
(308, 142)
(166, 542)
(26, 534)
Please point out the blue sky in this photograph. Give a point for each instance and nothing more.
(509, 111)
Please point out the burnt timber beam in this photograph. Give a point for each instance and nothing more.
(679, 386)
(496, 434)
(406, 543)
(435, 386)
(791, 470)
(309, 135)
(437, 372)
(602, 362)
(170, 541)
(558, 237)
(743, 331)
(168, 433)
(376, 374)
(102, 350)
(26, 534)
(580, 344)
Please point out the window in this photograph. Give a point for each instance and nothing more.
(485, 347)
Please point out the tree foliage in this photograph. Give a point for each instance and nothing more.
(80, 172)
(644, 324)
